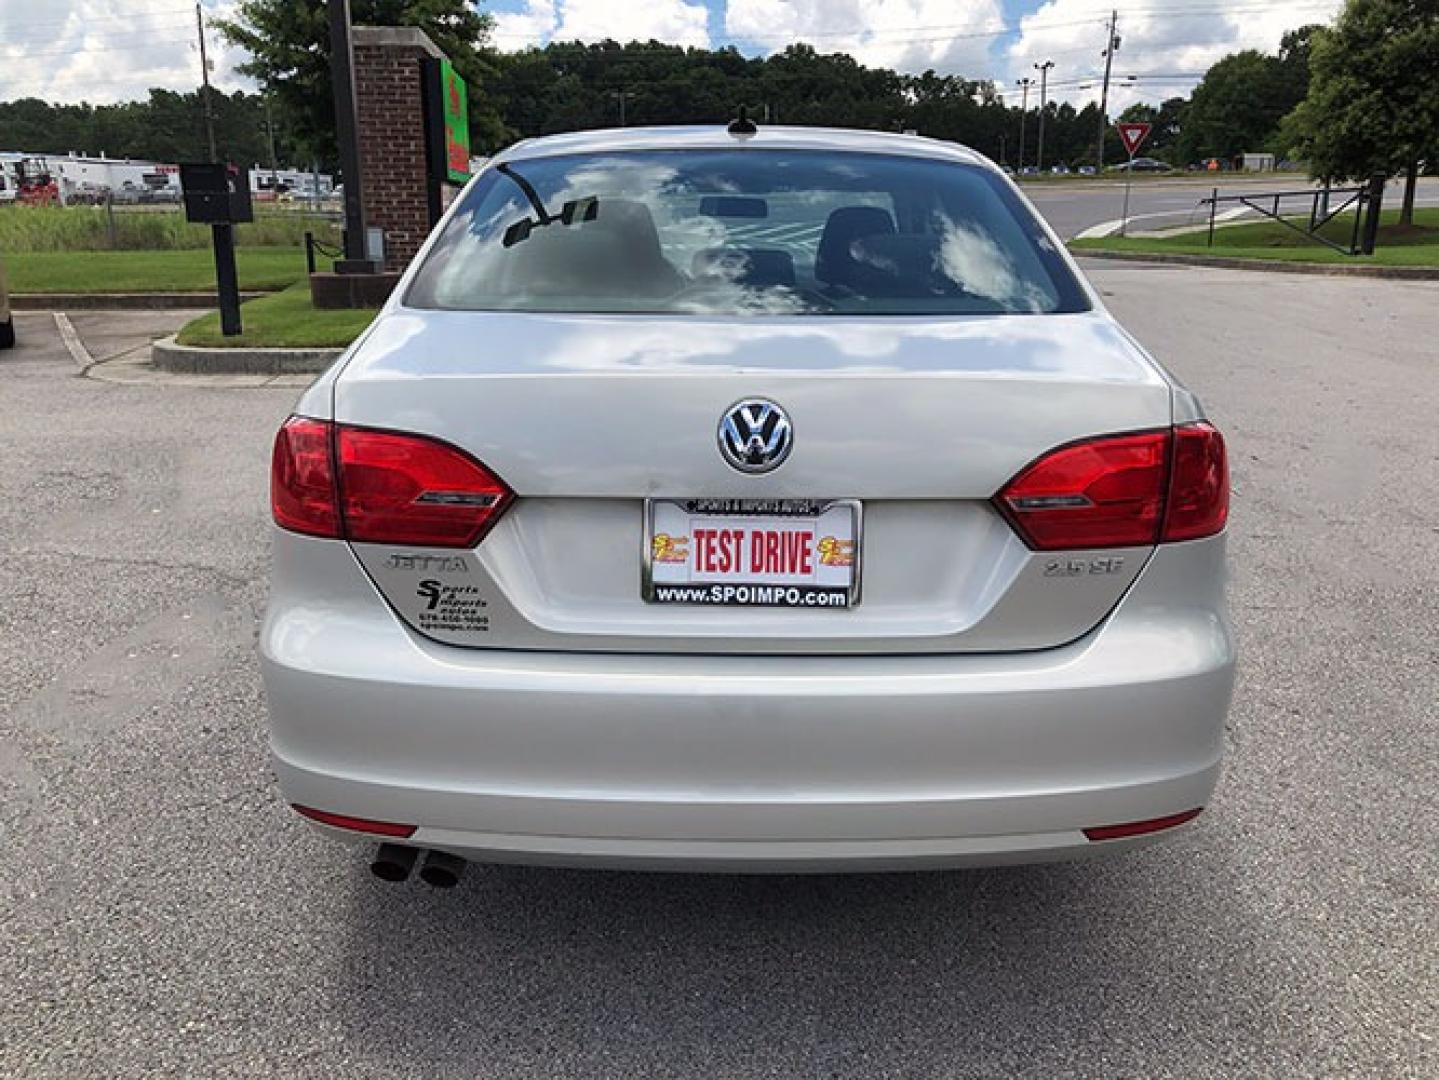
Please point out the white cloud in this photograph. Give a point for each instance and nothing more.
(1158, 38)
(108, 50)
(532, 26)
(911, 35)
(673, 21)
(115, 50)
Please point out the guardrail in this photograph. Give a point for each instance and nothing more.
(1366, 200)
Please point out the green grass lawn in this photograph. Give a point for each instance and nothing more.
(284, 320)
(1416, 246)
(149, 271)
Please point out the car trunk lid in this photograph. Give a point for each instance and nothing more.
(591, 419)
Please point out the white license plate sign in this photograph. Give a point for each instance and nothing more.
(753, 552)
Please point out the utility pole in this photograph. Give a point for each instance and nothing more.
(621, 95)
(1001, 149)
(1110, 48)
(205, 81)
(1024, 84)
(1043, 70)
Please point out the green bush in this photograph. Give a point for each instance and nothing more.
(94, 228)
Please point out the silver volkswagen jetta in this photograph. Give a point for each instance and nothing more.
(777, 500)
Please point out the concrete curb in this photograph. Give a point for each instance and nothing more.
(156, 301)
(1271, 266)
(135, 369)
(1105, 229)
(167, 355)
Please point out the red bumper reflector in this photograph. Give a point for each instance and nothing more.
(1139, 828)
(355, 824)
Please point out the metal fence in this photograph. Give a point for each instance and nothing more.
(1366, 202)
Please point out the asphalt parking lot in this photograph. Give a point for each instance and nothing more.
(162, 914)
(1072, 206)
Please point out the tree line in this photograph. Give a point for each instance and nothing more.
(573, 86)
(564, 87)
(166, 126)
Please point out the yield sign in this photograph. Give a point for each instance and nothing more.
(1132, 135)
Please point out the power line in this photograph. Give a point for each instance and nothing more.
(878, 35)
(117, 48)
(121, 36)
(87, 20)
(1191, 7)
(871, 32)
(1087, 82)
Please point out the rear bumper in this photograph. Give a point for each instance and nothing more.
(733, 762)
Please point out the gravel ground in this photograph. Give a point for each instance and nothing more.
(163, 915)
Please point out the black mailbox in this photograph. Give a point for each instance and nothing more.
(216, 194)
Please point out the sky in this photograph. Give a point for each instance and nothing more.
(114, 50)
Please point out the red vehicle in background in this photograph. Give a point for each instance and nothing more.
(36, 185)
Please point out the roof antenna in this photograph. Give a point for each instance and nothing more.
(742, 124)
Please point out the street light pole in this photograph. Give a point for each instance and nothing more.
(205, 81)
(270, 135)
(1024, 84)
(1043, 70)
(1111, 46)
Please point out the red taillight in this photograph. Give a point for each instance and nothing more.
(355, 824)
(381, 487)
(1139, 828)
(405, 489)
(1100, 493)
(1199, 485)
(1122, 491)
(302, 479)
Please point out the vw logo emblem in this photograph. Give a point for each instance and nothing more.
(755, 435)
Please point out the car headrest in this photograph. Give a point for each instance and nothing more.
(616, 254)
(899, 264)
(834, 261)
(631, 226)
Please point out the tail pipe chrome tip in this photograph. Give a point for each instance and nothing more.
(442, 870)
(393, 862)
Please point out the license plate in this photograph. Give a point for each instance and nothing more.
(794, 553)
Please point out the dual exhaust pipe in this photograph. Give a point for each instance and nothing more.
(394, 862)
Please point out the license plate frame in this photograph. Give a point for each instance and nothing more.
(759, 509)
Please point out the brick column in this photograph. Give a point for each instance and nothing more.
(389, 92)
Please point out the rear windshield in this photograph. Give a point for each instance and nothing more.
(745, 232)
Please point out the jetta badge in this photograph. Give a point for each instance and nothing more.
(755, 435)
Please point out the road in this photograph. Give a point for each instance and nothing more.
(161, 914)
(1074, 205)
